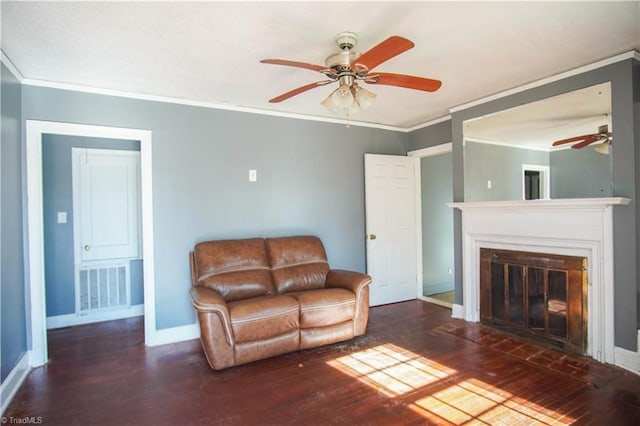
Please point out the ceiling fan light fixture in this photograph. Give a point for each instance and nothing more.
(348, 100)
(364, 97)
(330, 105)
(349, 97)
(603, 148)
(342, 96)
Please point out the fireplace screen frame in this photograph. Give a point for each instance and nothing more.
(541, 295)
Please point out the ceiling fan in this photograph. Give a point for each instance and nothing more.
(347, 67)
(604, 136)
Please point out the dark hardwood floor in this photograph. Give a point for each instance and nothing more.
(416, 365)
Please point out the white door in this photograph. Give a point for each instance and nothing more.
(391, 227)
(106, 204)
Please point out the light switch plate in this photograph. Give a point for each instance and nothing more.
(62, 217)
(253, 175)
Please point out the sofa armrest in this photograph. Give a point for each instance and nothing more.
(350, 280)
(358, 283)
(208, 301)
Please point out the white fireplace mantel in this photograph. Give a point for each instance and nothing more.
(565, 203)
(574, 227)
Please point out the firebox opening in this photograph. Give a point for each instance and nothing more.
(541, 296)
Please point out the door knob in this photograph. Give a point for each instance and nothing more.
(372, 236)
(87, 247)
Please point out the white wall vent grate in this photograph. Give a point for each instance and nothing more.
(102, 286)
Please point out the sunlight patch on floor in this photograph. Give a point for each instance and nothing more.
(475, 402)
(391, 370)
(395, 372)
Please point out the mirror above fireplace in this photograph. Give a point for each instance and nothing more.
(508, 155)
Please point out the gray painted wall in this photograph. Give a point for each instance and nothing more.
(425, 137)
(625, 177)
(13, 326)
(502, 165)
(58, 238)
(580, 173)
(310, 179)
(437, 224)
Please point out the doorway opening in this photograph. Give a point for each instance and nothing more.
(535, 182)
(35, 130)
(436, 258)
(92, 246)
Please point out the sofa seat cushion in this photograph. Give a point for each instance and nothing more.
(263, 317)
(325, 307)
(320, 336)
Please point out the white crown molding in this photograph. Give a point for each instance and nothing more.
(428, 123)
(166, 99)
(11, 67)
(431, 150)
(508, 145)
(210, 105)
(580, 70)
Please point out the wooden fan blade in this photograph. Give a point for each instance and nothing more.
(573, 139)
(408, 81)
(384, 51)
(587, 141)
(296, 64)
(299, 90)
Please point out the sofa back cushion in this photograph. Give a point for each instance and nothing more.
(297, 263)
(237, 269)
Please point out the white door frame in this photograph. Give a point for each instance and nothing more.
(545, 175)
(35, 231)
(418, 154)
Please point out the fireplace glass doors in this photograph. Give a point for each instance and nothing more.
(542, 295)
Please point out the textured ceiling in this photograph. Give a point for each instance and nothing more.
(209, 52)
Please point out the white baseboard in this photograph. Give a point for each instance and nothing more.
(457, 311)
(435, 301)
(13, 381)
(174, 335)
(627, 359)
(68, 320)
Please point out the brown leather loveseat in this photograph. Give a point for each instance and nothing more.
(256, 298)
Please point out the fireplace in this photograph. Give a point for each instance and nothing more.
(568, 227)
(539, 295)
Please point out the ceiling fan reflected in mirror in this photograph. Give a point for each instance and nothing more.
(348, 67)
(604, 138)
